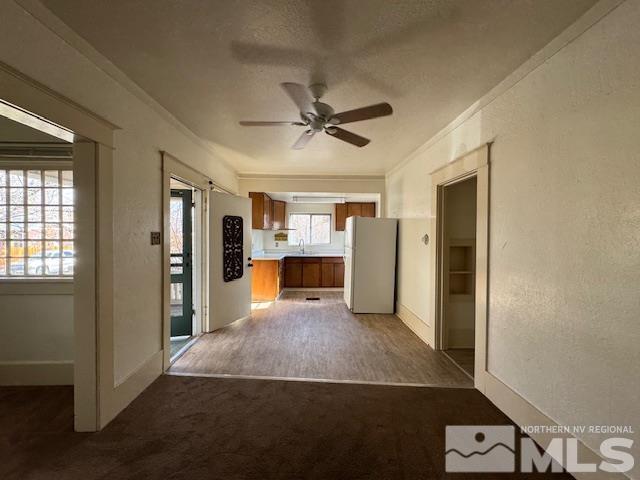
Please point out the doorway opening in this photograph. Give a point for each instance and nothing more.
(458, 207)
(46, 221)
(185, 254)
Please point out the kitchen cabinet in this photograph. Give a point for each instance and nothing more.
(341, 216)
(267, 280)
(278, 220)
(314, 272)
(353, 209)
(293, 272)
(338, 274)
(368, 209)
(261, 207)
(328, 275)
(266, 213)
(311, 273)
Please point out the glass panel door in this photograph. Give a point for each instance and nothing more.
(180, 224)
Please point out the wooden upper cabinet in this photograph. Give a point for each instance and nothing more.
(261, 211)
(368, 209)
(341, 216)
(354, 209)
(278, 220)
(268, 212)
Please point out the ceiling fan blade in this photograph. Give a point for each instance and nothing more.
(364, 113)
(347, 136)
(303, 140)
(300, 96)
(248, 123)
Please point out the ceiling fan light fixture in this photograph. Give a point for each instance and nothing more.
(318, 116)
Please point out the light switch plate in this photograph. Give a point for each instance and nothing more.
(155, 238)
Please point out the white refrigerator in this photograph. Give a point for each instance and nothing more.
(370, 264)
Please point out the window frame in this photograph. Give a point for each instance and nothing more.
(310, 215)
(39, 164)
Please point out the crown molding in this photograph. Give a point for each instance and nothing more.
(285, 176)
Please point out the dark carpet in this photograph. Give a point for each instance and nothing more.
(205, 428)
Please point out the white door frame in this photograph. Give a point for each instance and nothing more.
(472, 164)
(94, 399)
(174, 168)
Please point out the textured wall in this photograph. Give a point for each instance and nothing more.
(33, 49)
(564, 222)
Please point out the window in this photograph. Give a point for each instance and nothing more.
(36, 223)
(313, 228)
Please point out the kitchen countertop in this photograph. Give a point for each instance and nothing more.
(281, 255)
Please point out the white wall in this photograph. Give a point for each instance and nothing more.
(36, 333)
(564, 260)
(337, 238)
(88, 79)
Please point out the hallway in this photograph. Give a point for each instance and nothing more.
(321, 340)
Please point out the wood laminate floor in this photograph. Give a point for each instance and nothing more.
(464, 357)
(322, 339)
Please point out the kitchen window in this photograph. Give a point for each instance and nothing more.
(36, 222)
(313, 228)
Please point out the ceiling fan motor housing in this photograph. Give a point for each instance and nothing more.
(318, 119)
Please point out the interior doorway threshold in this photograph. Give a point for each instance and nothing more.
(457, 364)
(183, 349)
(313, 380)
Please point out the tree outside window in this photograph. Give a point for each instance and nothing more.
(313, 228)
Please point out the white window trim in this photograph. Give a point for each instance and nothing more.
(311, 214)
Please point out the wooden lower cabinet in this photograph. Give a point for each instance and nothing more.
(338, 274)
(314, 272)
(311, 273)
(266, 280)
(293, 272)
(328, 276)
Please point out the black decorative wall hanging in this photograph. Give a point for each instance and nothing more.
(232, 243)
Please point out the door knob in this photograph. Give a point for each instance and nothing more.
(249, 265)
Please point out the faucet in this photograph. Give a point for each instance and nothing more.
(301, 242)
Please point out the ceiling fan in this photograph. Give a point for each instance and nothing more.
(318, 116)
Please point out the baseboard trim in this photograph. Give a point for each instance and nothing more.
(523, 413)
(312, 289)
(415, 324)
(36, 373)
(132, 386)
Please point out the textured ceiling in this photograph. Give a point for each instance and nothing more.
(213, 63)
